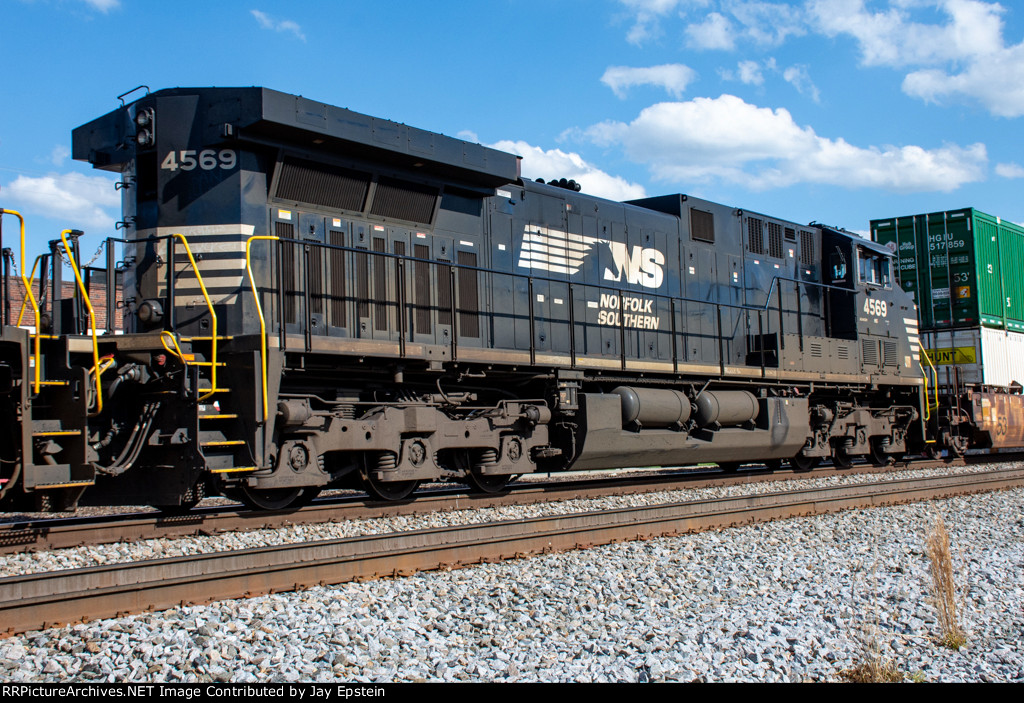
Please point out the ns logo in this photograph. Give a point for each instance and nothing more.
(555, 251)
(640, 267)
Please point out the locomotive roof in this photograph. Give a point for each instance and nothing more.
(280, 117)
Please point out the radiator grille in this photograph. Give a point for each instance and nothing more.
(469, 319)
(362, 286)
(421, 289)
(404, 200)
(816, 350)
(702, 226)
(286, 231)
(328, 186)
(843, 352)
(336, 293)
(806, 248)
(775, 240)
(380, 284)
(444, 293)
(755, 235)
(790, 234)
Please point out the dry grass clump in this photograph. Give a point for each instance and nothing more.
(944, 591)
(874, 670)
(873, 667)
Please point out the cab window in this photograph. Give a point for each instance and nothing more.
(873, 268)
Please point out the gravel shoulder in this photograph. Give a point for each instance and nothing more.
(793, 600)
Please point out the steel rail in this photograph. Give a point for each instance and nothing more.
(19, 536)
(42, 600)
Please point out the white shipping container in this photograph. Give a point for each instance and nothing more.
(985, 356)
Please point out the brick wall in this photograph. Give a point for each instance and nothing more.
(97, 296)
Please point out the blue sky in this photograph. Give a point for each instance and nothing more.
(838, 111)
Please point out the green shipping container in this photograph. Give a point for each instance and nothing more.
(964, 268)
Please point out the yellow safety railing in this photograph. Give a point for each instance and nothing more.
(185, 358)
(24, 302)
(259, 311)
(36, 353)
(92, 322)
(213, 318)
(927, 404)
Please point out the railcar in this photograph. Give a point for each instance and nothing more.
(306, 297)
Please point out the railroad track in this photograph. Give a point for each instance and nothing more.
(63, 532)
(40, 600)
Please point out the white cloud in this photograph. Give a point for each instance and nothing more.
(59, 155)
(767, 23)
(727, 139)
(964, 56)
(83, 201)
(268, 22)
(555, 163)
(753, 73)
(892, 38)
(715, 32)
(799, 78)
(1010, 170)
(647, 16)
(673, 77)
(103, 5)
(996, 81)
(750, 73)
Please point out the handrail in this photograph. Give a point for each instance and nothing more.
(92, 321)
(213, 315)
(36, 352)
(259, 312)
(177, 349)
(24, 302)
(927, 405)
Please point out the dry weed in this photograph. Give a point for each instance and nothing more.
(873, 667)
(944, 591)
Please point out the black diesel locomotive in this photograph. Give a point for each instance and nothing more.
(313, 297)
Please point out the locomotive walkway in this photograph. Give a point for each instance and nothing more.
(40, 600)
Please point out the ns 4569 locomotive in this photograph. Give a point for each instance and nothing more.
(312, 297)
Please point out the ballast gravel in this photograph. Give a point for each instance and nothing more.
(794, 600)
(119, 553)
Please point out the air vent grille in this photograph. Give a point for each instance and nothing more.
(333, 187)
(870, 352)
(775, 240)
(755, 235)
(404, 200)
(889, 357)
(702, 226)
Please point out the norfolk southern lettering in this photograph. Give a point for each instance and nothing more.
(627, 312)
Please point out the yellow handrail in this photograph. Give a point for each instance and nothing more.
(24, 301)
(37, 355)
(927, 405)
(92, 321)
(259, 312)
(213, 315)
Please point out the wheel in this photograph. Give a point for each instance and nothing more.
(729, 467)
(387, 490)
(488, 484)
(773, 464)
(804, 463)
(275, 498)
(880, 457)
(841, 458)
